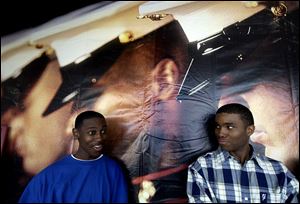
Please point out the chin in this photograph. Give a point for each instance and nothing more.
(32, 168)
(225, 147)
(94, 156)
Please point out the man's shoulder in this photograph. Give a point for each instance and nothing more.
(55, 166)
(269, 161)
(207, 159)
(48, 173)
(272, 165)
(109, 159)
(65, 160)
(278, 169)
(211, 155)
(112, 161)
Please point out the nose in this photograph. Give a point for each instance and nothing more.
(99, 136)
(16, 134)
(221, 132)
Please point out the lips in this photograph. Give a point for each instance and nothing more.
(97, 147)
(18, 145)
(222, 141)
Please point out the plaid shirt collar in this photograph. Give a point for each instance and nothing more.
(225, 155)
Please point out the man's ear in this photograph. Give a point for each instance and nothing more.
(75, 133)
(250, 130)
(165, 78)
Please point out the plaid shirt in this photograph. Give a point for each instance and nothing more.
(218, 177)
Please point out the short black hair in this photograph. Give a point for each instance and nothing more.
(237, 108)
(86, 115)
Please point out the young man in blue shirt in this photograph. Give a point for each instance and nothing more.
(235, 172)
(87, 176)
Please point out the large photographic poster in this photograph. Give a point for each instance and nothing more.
(159, 94)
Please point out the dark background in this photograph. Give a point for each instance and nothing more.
(18, 15)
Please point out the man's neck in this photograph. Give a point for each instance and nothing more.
(242, 155)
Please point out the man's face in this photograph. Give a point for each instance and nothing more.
(137, 99)
(276, 122)
(125, 99)
(41, 140)
(231, 132)
(91, 135)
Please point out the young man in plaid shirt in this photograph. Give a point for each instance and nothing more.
(235, 172)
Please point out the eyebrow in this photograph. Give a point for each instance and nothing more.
(229, 123)
(225, 123)
(91, 128)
